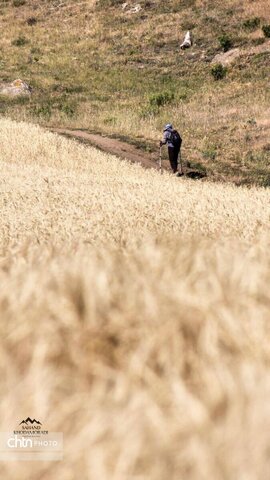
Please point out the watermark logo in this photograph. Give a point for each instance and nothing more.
(31, 442)
(32, 422)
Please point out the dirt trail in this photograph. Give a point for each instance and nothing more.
(125, 150)
(113, 146)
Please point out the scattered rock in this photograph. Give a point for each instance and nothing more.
(137, 8)
(18, 87)
(188, 41)
(227, 58)
(128, 9)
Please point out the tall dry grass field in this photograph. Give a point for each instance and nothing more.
(134, 315)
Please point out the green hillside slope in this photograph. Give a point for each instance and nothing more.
(96, 65)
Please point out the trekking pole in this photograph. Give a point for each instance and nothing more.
(181, 163)
(160, 159)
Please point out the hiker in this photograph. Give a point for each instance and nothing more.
(172, 138)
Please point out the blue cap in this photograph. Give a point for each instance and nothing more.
(168, 126)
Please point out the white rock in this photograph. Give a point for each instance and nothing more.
(18, 87)
(188, 41)
(137, 8)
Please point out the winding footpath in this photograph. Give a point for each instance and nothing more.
(113, 146)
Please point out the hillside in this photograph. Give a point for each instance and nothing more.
(134, 315)
(94, 65)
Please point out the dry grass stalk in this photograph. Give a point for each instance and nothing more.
(151, 353)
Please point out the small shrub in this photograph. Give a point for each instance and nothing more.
(20, 41)
(43, 111)
(266, 30)
(161, 99)
(110, 121)
(18, 3)
(251, 23)
(210, 153)
(218, 71)
(187, 25)
(35, 50)
(182, 94)
(109, 3)
(31, 21)
(149, 111)
(225, 42)
(73, 89)
(68, 109)
(21, 100)
(258, 41)
(252, 122)
(148, 4)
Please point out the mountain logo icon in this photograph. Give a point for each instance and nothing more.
(32, 422)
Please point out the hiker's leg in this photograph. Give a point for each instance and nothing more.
(173, 154)
(179, 161)
(176, 158)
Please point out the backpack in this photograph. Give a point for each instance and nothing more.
(176, 139)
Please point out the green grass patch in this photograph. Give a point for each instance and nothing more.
(218, 71)
(252, 24)
(266, 30)
(20, 41)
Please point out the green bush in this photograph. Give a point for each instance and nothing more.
(73, 89)
(69, 109)
(109, 3)
(35, 50)
(266, 30)
(218, 71)
(225, 42)
(43, 110)
(20, 41)
(161, 99)
(149, 111)
(18, 3)
(110, 120)
(258, 41)
(251, 23)
(31, 21)
(210, 153)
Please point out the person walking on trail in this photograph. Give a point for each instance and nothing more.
(172, 138)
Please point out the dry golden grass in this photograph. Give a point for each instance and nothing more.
(257, 9)
(134, 315)
(112, 200)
